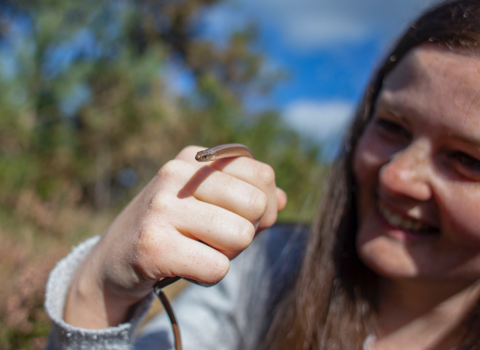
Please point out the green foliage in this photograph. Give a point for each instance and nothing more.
(84, 97)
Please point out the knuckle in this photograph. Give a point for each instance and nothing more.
(188, 152)
(146, 248)
(266, 175)
(191, 149)
(170, 169)
(269, 219)
(258, 205)
(147, 240)
(149, 246)
(244, 235)
(218, 268)
(160, 201)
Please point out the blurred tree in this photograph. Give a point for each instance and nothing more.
(85, 99)
(87, 116)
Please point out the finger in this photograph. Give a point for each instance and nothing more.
(281, 199)
(228, 192)
(207, 185)
(221, 229)
(195, 261)
(188, 154)
(258, 174)
(178, 175)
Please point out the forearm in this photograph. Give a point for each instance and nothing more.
(68, 336)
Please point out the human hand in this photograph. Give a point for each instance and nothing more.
(160, 234)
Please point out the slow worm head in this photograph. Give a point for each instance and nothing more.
(223, 151)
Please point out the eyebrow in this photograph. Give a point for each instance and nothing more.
(389, 108)
(384, 105)
(467, 139)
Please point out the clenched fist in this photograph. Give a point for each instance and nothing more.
(189, 221)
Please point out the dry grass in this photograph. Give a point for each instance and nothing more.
(34, 235)
(23, 322)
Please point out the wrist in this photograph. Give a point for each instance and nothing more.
(91, 305)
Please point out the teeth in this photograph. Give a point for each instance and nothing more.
(395, 220)
(401, 222)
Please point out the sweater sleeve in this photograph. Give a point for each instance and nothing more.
(209, 318)
(66, 337)
(230, 315)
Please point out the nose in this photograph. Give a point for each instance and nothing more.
(408, 172)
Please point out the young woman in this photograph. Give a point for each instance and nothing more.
(392, 262)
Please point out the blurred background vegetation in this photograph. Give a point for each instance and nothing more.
(87, 118)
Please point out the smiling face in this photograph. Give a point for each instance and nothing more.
(417, 169)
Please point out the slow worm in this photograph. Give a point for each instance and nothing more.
(209, 155)
(223, 151)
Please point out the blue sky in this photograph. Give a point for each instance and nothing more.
(329, 48)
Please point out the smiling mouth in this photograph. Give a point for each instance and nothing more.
(401, 222)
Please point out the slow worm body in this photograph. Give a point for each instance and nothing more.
(209, 155)
(223, 151)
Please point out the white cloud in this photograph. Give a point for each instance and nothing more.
(313, 24)
(313, 30)
(319, 120)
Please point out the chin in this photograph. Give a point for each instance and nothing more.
(386, 257)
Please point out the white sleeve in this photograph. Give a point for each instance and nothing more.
(65, 336)
(230, 315)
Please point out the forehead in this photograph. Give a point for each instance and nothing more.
(434, 81)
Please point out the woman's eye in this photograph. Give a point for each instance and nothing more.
(392, 127)
(468, 162)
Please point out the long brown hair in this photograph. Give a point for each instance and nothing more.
(332, 302)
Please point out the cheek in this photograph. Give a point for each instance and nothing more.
(460, 209)
(367, 163)
(369, 157)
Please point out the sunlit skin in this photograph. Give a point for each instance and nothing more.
(190, 220)
(420, 158)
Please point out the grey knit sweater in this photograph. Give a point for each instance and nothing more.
(230, 315)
